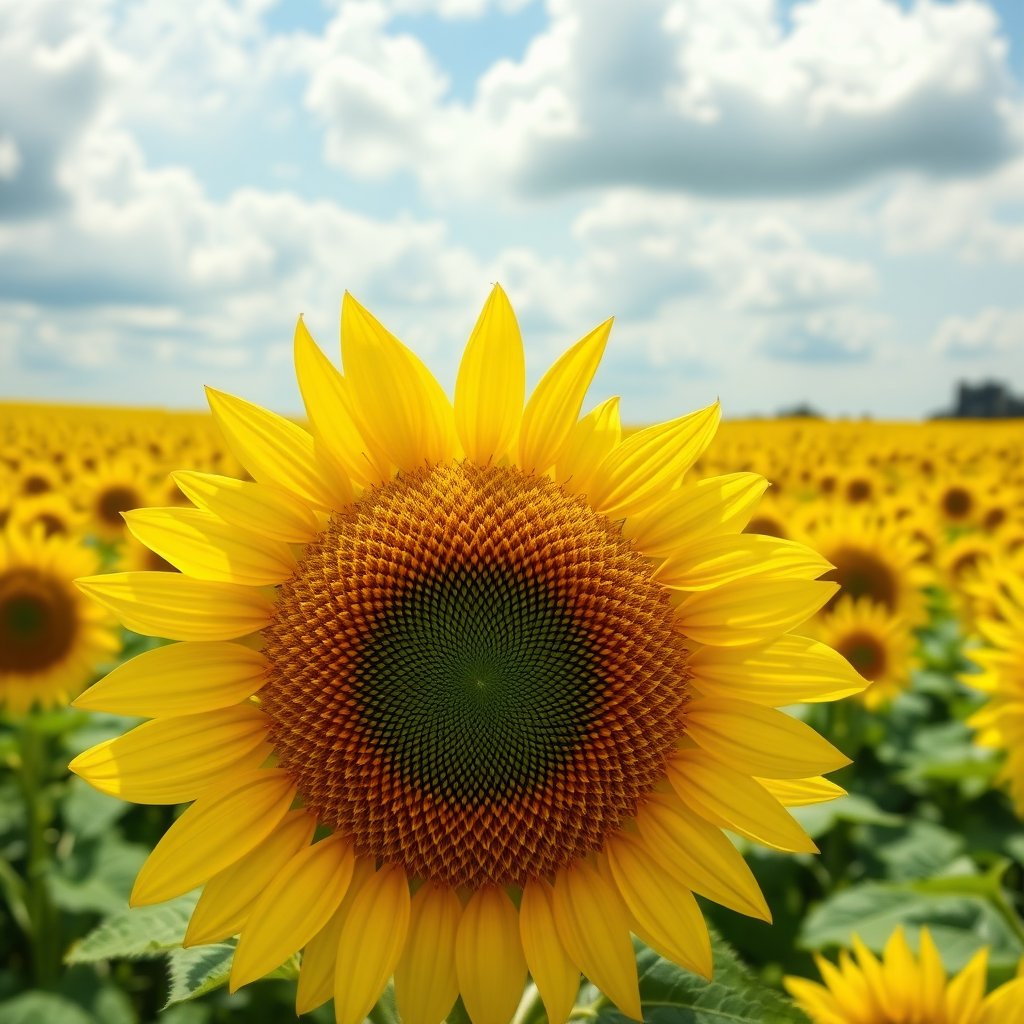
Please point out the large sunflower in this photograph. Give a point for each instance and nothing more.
(520, 676)
(51, 637)
(904, 989)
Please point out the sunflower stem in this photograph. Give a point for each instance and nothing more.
(33, 772)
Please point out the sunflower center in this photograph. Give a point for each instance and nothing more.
(37, 621)
(115, 500)
(474, 675)
(860, 574)
(865, 653)
(957, 502)
(766, 525)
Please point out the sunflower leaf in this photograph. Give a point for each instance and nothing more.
(142, 933)
(194, 972)
(671, 995)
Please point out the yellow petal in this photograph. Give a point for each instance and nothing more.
(401, 405)
(760, 741)
(699, 855)
(651, 462)
(174, 760)
(801, 792)
(662, 906)
(787, 670)
(278, 452)
(901, 975)
(595, 933)
(329, 406)
(873, 974)
(710, 507)
(207, 548)
(489, 957)
(557, 978)
(426, 981)
(293, 908)
(933, 977)
(712, 561)
(260, 508)
(491, 384)
(222, 826)
(966, 991)
(554, 406)
(750, 611)
(815, 1000)
(589, 443)
(735, 801)
(173, 606)
(319, 958)
(371, 943)
(228, 897)
(178, 679)
(1006, 1003)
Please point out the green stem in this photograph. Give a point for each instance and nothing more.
(33, 774)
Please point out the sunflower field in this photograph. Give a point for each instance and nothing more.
(495, 709)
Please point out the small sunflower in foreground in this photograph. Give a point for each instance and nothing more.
(521, 676)
(880, 646)
(904, 989)
(51, 636)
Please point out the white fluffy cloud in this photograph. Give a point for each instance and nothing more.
(993, 332)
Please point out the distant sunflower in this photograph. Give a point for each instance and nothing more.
(877, 644)
(874, 559)
(51, 636)
(111, 488)
(490, 674)
(904, 989)
(50, 512)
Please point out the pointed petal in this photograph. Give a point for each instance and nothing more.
(933, 977)
(589, 444)
(178, 679)
(557, 978)
(801, 792)
(228, 897)
(278, 452)
(175, 760)
(401, 405)
(319, 958)
(554, 406)
(651, 462)
(760, 741)
(260, 508)
(708, 508)
(371, 943)
(207, 548)
(426, 981)
(662, 906)
(815, 1000)
(222, 826)
(712, 561)
(735, 801)
(491, 384)
(293, 908)
(1004, 1004)
(330, 409)
(750, 611)
(489, 957)
(787, 670)
(699, 855)
(966, 991)
(168, 605)
(595, 934)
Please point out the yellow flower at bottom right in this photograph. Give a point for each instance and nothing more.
(904, 989)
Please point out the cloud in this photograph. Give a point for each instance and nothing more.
(992, 332)
(701, 96)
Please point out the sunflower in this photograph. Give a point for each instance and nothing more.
(114, 487)
(51, 637)
(873, 558)
(904, 989)
(493, 652)
(52, 512)
(877, 644)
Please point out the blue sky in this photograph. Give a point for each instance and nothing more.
(780, 202)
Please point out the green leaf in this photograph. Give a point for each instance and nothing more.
(671, 995)
(194, 972)
(98, 877)
(959, 923)
(923, 851)
(87, 812)
(817, 819)
(12, 807)
(43, 1008)
(142, 933)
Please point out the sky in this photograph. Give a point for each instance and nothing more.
(781, 203)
